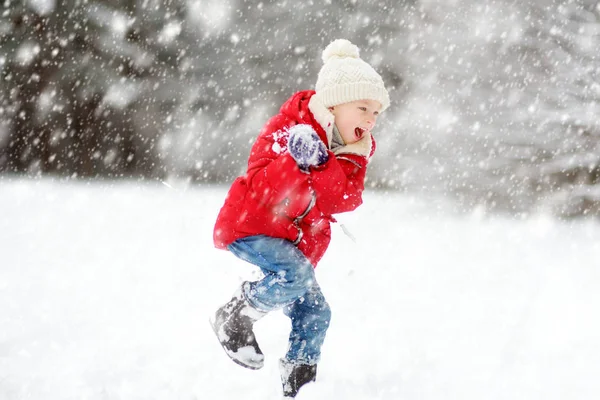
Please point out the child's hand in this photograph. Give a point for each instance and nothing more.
(306, 147)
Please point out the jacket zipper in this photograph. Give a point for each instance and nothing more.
(298, 219)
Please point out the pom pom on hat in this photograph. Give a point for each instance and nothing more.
(340, 48)
(345, 77)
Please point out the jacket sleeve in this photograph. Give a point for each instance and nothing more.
(272, 172)
(339, 183)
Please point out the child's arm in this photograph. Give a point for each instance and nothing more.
(339, 182)
(272, 172)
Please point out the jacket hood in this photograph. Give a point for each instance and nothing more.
(297, 108)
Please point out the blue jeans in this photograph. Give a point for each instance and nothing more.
(289, 283)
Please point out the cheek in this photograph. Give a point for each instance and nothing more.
(346, 125)
(340, 124)
(351, 122)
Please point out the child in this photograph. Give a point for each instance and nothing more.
(308, 163)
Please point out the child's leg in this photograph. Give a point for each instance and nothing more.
(310, 317)
(289, 283)
(288, 273)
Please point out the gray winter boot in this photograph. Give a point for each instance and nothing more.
(294, 376)
(233, 324)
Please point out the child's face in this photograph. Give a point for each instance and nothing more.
(355, 118)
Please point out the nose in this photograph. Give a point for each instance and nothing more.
(371, 121)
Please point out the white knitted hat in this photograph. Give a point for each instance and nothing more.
(345, 77)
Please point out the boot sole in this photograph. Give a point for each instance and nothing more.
(235, 360)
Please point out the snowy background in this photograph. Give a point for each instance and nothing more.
(495, 103)
(475, 272)
(106, 291)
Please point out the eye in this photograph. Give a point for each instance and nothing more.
(363, 108)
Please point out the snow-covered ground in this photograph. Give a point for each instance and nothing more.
(106, 289)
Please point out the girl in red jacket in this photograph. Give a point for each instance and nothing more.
(308, 163)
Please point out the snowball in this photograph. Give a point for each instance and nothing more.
(302, 138)
(304, 131)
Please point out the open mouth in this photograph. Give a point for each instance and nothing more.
(359, 132)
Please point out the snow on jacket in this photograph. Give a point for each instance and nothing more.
(277, 199)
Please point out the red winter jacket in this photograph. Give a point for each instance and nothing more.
(277, 199)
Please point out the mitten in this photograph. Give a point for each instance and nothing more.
(306, 147)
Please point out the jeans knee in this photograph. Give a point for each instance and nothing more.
(325, 313)
(301, 276)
